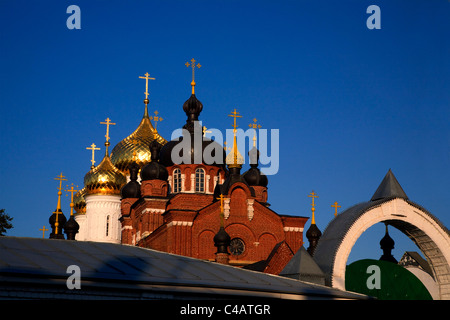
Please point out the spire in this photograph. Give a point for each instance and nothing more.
(146, 101)
(389, 188)
(193, 65)
(234, 158)
(313, 209)
(313, 234)
(57, 219)
(387, 244)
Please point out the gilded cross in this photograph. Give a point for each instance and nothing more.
(156, 118)
(93, 148)
(313, 195)
(108, 123)
(205, 131)
(43, 231)
(71, 190)
(61, 178)
(221, 198)
(335, 208)
(193, 65)
(146, 77)
(235, 115)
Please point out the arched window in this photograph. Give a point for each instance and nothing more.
(107, 225)
(199, 180)
(176, 180)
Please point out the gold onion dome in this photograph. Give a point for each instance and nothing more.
(135, 147)
(79, 203)
(104, 178)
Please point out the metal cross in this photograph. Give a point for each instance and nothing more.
(313, 195)
(147, 77)
(221, 198)
(235, 115)
(335, 206)
(193, 65)
(43, 231)
(61, 178)
(108, 123)
(93, 148)
(71, 190)
(205, 131)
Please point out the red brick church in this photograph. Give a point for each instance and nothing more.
(176, 206)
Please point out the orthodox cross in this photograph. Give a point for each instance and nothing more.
(335, 208)
(313, 195)
(205, 131)
(93, 148)
(61, 178)
(193, 65)
(234, 115)
(156, 118)
(221, 198)
(71, 190)
(146, 77)
(43, 231)
(108, 123)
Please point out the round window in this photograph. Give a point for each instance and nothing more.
(237, 247)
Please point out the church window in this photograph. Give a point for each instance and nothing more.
(237, 246)
(177, 180)
(199, 180)
(107, 225)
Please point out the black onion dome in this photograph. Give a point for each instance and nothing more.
(154, 170)
(61, 218)
(313, 232)
(222, 241)
(132, 189)
(387, 243)
(254, 177)
(71, 228)
(193, 107)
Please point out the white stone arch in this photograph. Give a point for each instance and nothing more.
(430, 235)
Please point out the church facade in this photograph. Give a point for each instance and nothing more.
(138, 195)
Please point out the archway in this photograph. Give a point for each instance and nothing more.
(427, 232)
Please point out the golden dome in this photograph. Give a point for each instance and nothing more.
(79, 203)
(104, 178)
(138, 142)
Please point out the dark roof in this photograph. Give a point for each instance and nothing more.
(389, 187)
(303, 267)
(31, 267)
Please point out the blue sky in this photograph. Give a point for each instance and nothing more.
(349, 102)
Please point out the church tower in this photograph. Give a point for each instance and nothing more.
(102, 185)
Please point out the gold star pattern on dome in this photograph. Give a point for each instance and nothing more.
(156, 118)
